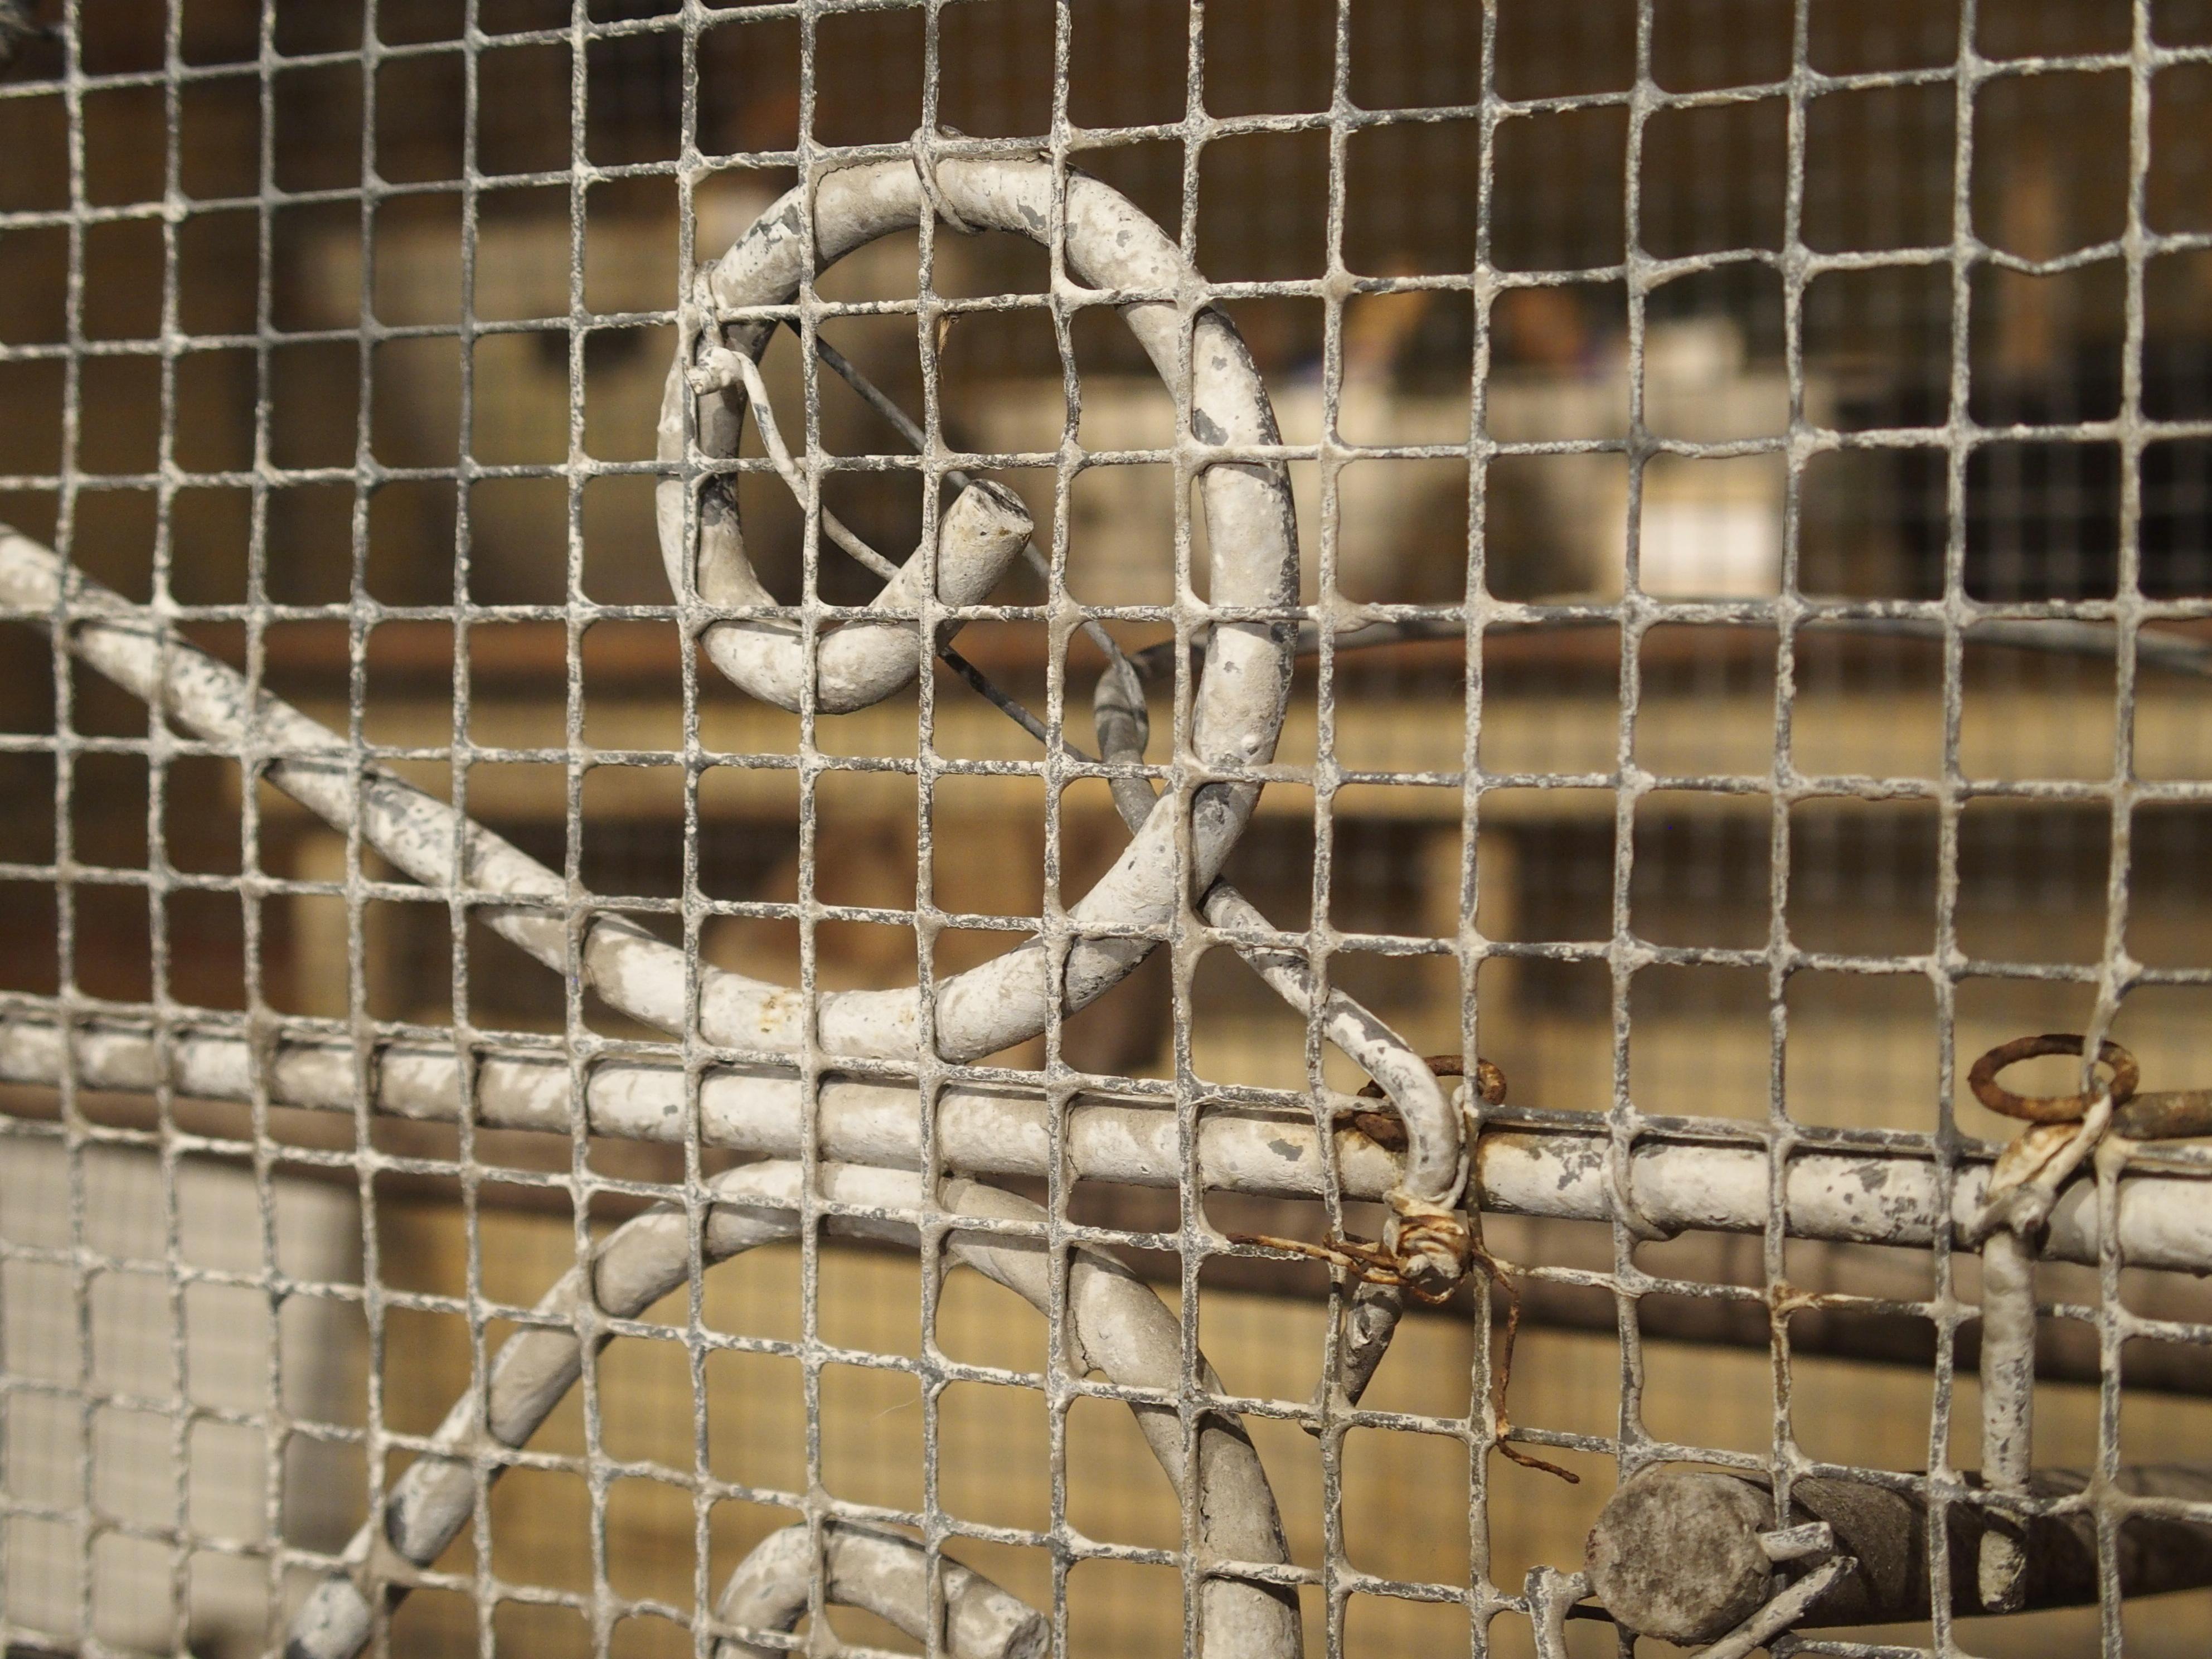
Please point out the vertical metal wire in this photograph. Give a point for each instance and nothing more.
(689, 257)
(64, 792)
(1782, 1141)
(1472, 949)
(1061, 1367)
(1623, 953)
(180, 1424)
(1332, 368)
(2116, 962)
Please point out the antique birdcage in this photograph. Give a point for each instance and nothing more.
(1105, 827)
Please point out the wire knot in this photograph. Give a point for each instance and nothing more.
(1433, 1244)
(1430, 1247)
(924, 146)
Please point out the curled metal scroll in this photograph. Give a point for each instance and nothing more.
(886, 1573)
(1120, 1325)
(1117, 1324)
(863, 662)
(1239, 704)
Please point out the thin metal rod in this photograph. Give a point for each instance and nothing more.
(2173, 654)
(2007, 1374)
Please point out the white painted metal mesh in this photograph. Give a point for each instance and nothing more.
(1662, 544)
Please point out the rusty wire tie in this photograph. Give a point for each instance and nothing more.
(1420, 1231)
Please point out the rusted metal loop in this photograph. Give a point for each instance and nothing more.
(1489, 1078)
(1388, 1130)
(2050, 1108)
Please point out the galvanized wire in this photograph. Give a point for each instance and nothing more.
(824, 1079)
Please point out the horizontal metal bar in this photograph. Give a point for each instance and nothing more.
(1892, 1195)
(1677, 1553)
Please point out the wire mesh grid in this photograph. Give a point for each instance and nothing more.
(1786, 698)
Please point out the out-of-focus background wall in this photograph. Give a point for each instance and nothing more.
(246, 399)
